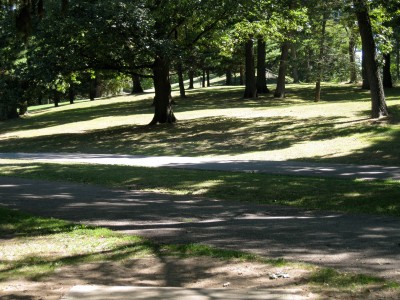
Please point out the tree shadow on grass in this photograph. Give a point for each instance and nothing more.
(330, 93)
(79, 114)
(199, 99)
(383, 139)
(196, 137)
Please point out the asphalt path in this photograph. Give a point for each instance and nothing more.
(360, 243)
(365, 172)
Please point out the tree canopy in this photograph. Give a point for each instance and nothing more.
(52, 48)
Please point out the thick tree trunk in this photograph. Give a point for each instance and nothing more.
(8, 111)
(136, 85)
(228, 75)
(320, 59)
(162, 101)
(261, 68)
(191, 79)
(365, 80)
(387, 76)
(295, 71)
(280, 86)
(250, 77)
(379, 107)
(182, 91)
(208, 78)
(352, 57)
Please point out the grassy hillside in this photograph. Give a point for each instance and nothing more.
(218, 122)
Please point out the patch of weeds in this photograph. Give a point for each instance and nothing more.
(335, 279)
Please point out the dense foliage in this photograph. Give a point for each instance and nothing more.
(51, 50)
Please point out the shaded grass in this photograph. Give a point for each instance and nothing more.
(373, 197)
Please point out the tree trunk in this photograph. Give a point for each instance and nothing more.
(352, 57)
(228, 75)
(92, 89)
(387, 76)
(56, 98)
(280, 86)
(295, 71)
(379, 107)
(182, 91)
(365, 80)
(191, 79)
(136, 85)
(208, 78)
(320, 59)
(162, 102)
(8, 111)
(250, 77)
(261, 76)
(203, 79)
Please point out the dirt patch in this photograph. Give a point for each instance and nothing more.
(177, 272)
(164, 271)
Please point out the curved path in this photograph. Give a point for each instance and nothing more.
(361, 243)
(366, 172)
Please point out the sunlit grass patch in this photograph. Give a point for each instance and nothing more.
(333, 278)
(217, 122)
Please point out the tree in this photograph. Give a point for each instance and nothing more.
(387, 76)
(12, 64)
(320, 58)
(379, 107)
(136, 84)
(280, 85)
(261, 67)
(169, 18)
(250, 78)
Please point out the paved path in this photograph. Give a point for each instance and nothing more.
(367, 244)
(368, 172)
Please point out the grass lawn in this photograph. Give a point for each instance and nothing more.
(213, 122)
(217, 122)
(355, 196)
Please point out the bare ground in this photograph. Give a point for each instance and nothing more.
(203, 272)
